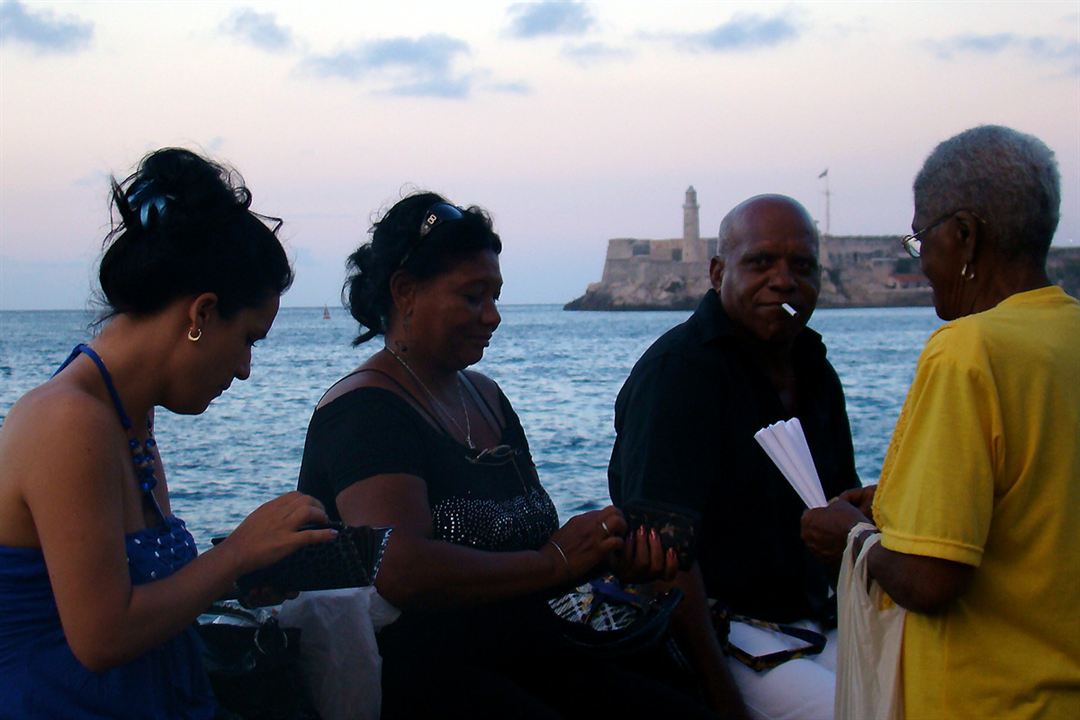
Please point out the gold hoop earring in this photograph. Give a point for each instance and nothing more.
(194, 334)
(964, 275)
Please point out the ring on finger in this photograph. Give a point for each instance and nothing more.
(607, 530)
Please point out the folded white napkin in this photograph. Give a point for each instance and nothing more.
(785, 444)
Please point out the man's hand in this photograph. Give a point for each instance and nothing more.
(825, 530)
(862, 498)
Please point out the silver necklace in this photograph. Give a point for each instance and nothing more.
(467, 431)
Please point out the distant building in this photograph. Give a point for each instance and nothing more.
(643, 274)
(856, 271)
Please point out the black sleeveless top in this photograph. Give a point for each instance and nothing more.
(492, 503)
(498, 507)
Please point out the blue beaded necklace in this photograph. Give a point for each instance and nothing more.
(142, 453)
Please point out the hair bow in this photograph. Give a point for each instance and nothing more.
(144, 198)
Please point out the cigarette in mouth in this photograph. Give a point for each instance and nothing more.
(790, 310)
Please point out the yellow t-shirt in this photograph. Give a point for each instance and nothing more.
(984, 469)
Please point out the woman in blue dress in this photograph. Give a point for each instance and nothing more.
(99, 581)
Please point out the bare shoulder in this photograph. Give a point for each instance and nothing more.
(58, 446)
(378, 371)
(57, 414)
(487, 387)
(363, 377)
(490, 391)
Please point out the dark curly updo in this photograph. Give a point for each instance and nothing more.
(397, 244)
(181, 225)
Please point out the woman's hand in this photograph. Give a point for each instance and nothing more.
(585, 541)
(825, 530)
(273, 531)
(643, 558)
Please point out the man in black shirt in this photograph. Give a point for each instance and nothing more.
(685, 421)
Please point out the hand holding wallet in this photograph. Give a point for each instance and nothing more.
(677, 526)
(351, 559)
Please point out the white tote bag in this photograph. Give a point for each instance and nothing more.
(868, 685)
(339, 657)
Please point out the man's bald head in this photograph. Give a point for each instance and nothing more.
(768, 259)
(741, 219)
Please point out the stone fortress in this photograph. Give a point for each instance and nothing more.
(856, 271)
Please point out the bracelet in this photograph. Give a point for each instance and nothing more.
(565, 560)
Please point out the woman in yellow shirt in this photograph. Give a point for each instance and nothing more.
(975, 505)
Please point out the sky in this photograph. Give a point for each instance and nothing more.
(570, 122)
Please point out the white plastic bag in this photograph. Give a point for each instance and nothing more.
(339, 657)
(868, 685)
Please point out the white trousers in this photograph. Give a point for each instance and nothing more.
(800, 689)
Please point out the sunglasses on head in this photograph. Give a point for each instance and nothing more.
(437, 214)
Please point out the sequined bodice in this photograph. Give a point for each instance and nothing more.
(494, 504)
(523, 521)
(157, 552)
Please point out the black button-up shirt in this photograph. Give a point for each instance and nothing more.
(685, 421)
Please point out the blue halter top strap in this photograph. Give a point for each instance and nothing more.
(140, 459)
(106, 377)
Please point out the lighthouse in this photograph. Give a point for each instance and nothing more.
(693, 250)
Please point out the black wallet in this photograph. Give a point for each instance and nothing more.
(350, 560)
(677, 526)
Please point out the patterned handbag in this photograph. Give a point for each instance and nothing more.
(605, 619)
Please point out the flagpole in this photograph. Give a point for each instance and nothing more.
(828, 195)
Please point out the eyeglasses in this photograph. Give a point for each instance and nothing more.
(913, 244)
(493, 456)
(437, 214)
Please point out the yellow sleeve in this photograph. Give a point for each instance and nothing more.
(936, 493)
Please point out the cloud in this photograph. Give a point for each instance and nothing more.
(452, 88)
(416, 67)
(745, 32)
(592, 53)
(552, 17)
(1039, 48)
(43, 30)
(513, 87)
(430, 53)
(258, 29)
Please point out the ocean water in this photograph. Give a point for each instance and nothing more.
(561, 370)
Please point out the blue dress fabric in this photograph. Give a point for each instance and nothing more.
(41, 678)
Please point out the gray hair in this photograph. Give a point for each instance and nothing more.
(1008, 178)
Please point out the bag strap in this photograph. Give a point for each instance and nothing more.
(611, 589)
(722, 619)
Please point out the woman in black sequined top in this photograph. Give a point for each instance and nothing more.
(413, 440)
